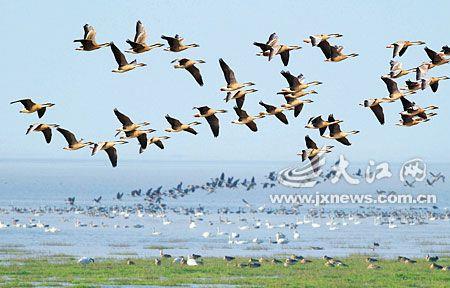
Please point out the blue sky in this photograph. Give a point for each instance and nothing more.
(42, 64)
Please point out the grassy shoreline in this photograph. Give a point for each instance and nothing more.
(58, 271)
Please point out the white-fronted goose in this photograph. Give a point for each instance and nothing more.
(273, 110)
(296, 82)
(46, 129)
(138, 45)
(124, 66)
(141, 136)
(31, 107)
(397, 70)
(401, 46)
(433, 82)
(394, 92)
(177, 126)
(409, 121)
(295, 104)
(312, 151)
(337, 134)
(245, 119)
(209, 114)
(374, 105)
(315, 39)
(74, 144)
(333, 53)
(109, 148)
(127, 124)
(272, 48)
(157, 140)
(297, 94)
(189, 65)
(232, 83)
(88, 42)
(437, 58)
(422, 70)
(411, 109)
(239, 96)
(318, 123)
(176, 43)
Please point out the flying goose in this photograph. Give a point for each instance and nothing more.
(318, 123)
(433, 82)
(374, 105)
(109, 148)
(276, 111)
(141, 136)
(422, 70)
(409, 121)
(138, 45)
(394, 92)
(333, 53)
(177, 126)
(437, 58)
(337, 134)
(124, 66)
(401, 46)
(411, 109)
(176, 43)
(74, 144)
(88, 42)
(312, 151)
(232, 84)
(127, 124)
(296, 82)
(46, 129)
(295, 104)
(315, 39)
(272, 48)
(31, 107)
(245, 119)
(209, 114)
(397, 70)
(297, 94)
(239, 96)
(188, 64)
(446, 50)
(157, 140)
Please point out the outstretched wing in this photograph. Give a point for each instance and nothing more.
(326, 48)
(175, 123)
(213, 122)
(141, 34)
(112, 155)
(227, 72)
(310, 144)
(125, 120)
(118, 55)
(70, 137)
(195, 72)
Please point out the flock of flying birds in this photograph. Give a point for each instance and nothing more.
(293, 95)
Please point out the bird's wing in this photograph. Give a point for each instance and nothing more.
(293, 81)
(326, 48)
(390, 84)
(227, 72)
(378, 111)
(273, 39)
(334, 129)
(141, 34)
(433, 55)
(434, 86)
(47, 134)
(173, 42)
(32, 128)
(406, 103)
(143, 140)
(41, 112)
(195, 72)
(285, 58)
(175, 123)
(252, 126)
(262, 46)
(159, 144)
(269, 108)
(27, 103)
(112, 154)
(344, 141)
(191, 130)
(241, 113)
(120, 58)
(125, 120)
(240, 101)
(89, 32)
(70, 137)
(282, 117)
(310, 144)
(298, 109)
(213, 122)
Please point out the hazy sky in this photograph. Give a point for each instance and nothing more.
(40, 62)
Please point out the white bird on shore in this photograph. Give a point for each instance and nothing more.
(191, 261)
(85, 260)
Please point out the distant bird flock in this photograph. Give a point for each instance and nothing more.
(411, 115)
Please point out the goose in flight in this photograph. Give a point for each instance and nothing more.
(276, 111)
(409, 121)
(297, 94)
(245, 119)
(318, 123)
(138, 45)
(31, 107)
(411, 109)
(333, 53)
(177, 126)
(176, 44)
(296, 83)
(74, 144)
(88, 42)
(157, 140)
(124, 66)
(433, 82)
(141, 136)
(312, 151)
(397, 70)
(394, 92)
(232, 83)
(422, 70)
(315, 39)
(337, 134)
(46, 129)
(109, 148)
(401, 46)
(437, 58)
(239, 96)
(295, 104)
(374, 105)
(127, 124)
(189, 65)
(272, 48)
(209, 114)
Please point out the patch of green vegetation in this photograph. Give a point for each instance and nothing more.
(216, 271)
